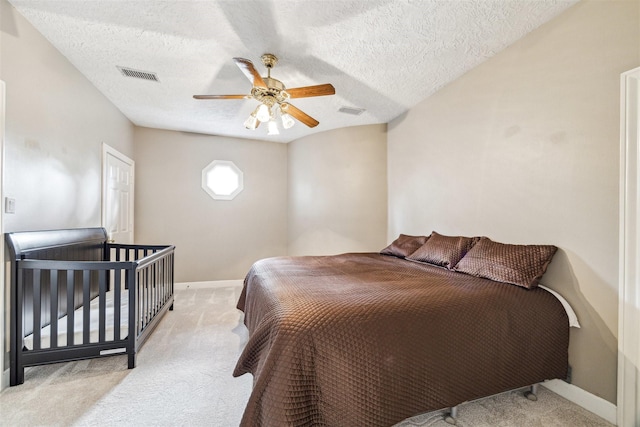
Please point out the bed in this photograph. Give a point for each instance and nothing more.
(73, 296)
(374, 338)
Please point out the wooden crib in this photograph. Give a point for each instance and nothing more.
(75, 296)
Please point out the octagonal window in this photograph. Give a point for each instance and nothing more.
(222, 180)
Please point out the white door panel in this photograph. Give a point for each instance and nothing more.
(118, 186)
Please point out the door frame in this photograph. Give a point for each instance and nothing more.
(106, 151)
(628, 408)
(4, 310)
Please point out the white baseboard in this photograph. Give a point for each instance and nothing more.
(209, 284)
(590, 402)
(5, 379)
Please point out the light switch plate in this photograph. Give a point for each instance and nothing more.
(9, 205)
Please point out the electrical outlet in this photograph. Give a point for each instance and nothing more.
(9, 205)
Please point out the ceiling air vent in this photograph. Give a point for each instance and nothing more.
(352, 111)
(145, 75)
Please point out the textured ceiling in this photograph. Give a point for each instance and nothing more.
(384, 56)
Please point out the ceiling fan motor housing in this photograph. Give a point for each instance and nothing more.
(275, 92)
(269, 60)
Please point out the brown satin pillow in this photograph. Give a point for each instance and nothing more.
(444, 251)
(521, 265)
(404, 245)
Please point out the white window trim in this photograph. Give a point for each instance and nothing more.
(210, 191)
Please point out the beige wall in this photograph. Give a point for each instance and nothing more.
(56, 122)
(215, 239)
(338, 191)
(525, 149)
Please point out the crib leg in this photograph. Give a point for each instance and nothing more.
(131, 360)
(532, 394)
(16, 376)
(451, 417)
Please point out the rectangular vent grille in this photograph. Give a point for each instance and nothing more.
(145, 75)
(352, 111)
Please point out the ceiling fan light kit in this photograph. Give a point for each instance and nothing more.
(273, 128)
(263, 113)
(252, 122)
(287, 121)
(273, 97)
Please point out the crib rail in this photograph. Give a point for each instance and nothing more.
(153, 290)
(134, 281)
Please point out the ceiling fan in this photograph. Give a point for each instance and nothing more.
(273, 97)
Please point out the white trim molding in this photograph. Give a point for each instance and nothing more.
(4, 378)
(599, 406)
(207, 285)
(628, 411)
(222, 180)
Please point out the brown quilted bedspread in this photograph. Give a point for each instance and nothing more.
(370, 340)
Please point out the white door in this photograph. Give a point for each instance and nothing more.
(117, 195)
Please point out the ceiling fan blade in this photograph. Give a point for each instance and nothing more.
(299, 114)
(249, 70)
(308, 91)
(221, 96)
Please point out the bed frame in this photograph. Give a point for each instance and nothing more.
(56, 274)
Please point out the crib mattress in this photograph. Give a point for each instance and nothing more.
(45, 341)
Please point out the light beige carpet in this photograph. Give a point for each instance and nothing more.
(183, 377)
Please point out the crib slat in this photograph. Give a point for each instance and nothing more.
(138, 302)
(149, 292)
(117, 273)
(145, 297)
(37, 309)
(152, 289)
(165, 281)
(169, 276)
(86, 303)
(102, 305)
(17, 328)
(156, 286)
(167, 270)
(159, 284)
(70, 305)
(159, 281)
(142, 298)
(54, 309)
